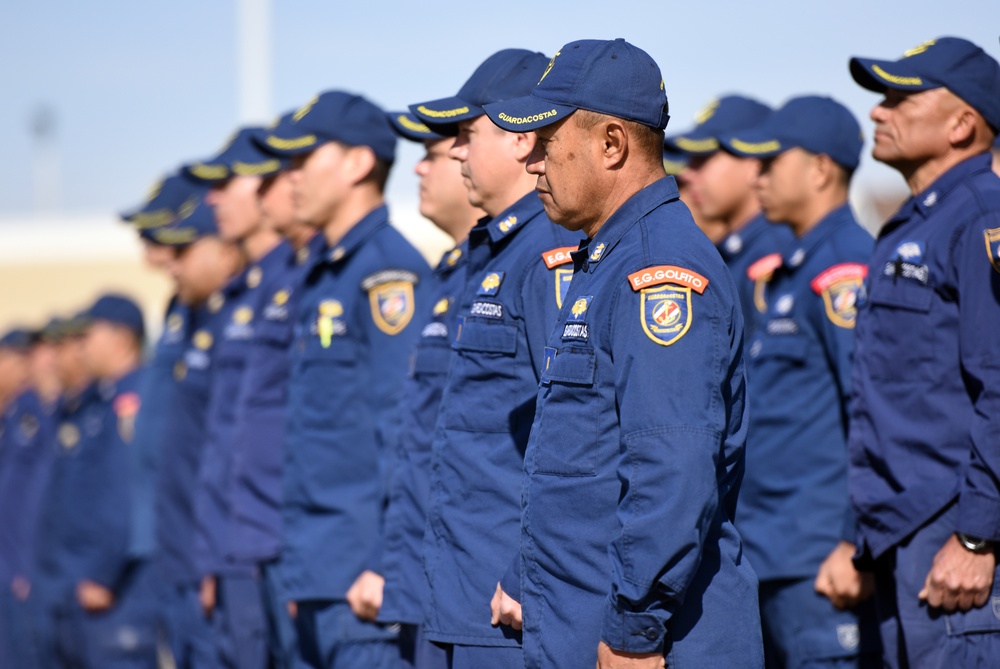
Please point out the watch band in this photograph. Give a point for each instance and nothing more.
(974, 544)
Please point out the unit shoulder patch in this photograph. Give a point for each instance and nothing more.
(665, 313)
(661, 274)
(992, 238)
(560, 256)
(840, 287)
(126, 406)
(392, 305)
(764, 266)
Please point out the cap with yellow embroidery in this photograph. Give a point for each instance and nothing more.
(608, 77)
(722, 116)
(506, 74)
(194, 221)
(817, 124)
(333, 116)
(946, 62)
(241, 156)
(408, 126)
(165, 199)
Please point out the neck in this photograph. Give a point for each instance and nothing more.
(260, 243)
(623, 186)
(299, 235)
(742, 215)
(920, 176)
(125, 361)
(519, 187)
(816, 210)
(48, 389)
(356, 206)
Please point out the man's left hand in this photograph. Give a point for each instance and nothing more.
(609, 658)
(959, 579)
(94, 597)
(365, 596)
(505, 610)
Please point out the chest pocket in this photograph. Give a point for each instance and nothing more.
(781, 349)
(902, 330)
(569, 395)
(431, 356)
(271, 364)
(492, 388)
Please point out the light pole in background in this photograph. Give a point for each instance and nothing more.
(45, 160)
(254, 61)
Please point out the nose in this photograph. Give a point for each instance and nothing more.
(459, 150)
(536, 160)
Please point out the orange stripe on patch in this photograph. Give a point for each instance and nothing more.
(764, 266)
(127, 404)
(831, 275)
(654, 276)
(559, 256)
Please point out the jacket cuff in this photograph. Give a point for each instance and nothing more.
(640, 632)
(979, 515)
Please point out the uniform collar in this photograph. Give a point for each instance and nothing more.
(510, 221)
(453, 259)
(799, 249)
(737, 242)
(925, 202)
(593, 251)
(355, 237)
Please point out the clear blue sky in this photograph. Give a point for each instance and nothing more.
(138, 87)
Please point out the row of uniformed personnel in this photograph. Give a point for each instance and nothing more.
(336, 458)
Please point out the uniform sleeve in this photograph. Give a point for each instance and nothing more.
(675, 357)
(979, 351)
(834, 314)
(390, 349)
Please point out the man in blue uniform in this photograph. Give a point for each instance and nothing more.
(628, 552)
(100, 604)
(924, 464)
(400, 597)
(14, 347)
(794, 512)
(352, 332)
(26, 452)
(170, 432)
(231, 589)
(517, 275)
(719, 187)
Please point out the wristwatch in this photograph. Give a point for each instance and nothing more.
(974, 544)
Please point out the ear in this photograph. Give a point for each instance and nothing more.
(359, 161)
(963, 126)
(522, 143)
(824, 172)
(614, 138)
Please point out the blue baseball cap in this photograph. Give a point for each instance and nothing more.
(816, 124)
(674, 162)
(506, 74)
(241, 156)
(607, 77)
(333, 116)
(196, 219)
(117, 309)
(722, 116)
(946, 62)
(165, 198)
(16, 339)
(408, 126)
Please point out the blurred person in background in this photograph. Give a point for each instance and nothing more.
(98, 597)
(402, 595)
(719, 187)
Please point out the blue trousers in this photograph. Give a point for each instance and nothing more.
(20, 640)
(189, 634)
(332, 637)
(802, 629)
(239, 623)
(282, 639)
(478, 657)
(416, 652)
(915, 635)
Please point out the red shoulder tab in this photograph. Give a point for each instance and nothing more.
(847, 271)
(127, 404)
(559, 256)
(654, 276)
(764, 266)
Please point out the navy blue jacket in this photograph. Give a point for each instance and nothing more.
(172, 429)
(507, 309)
(352, 336)
(926, 410)
(405, 590)
(794, 506)
(27, 451)
(633, 466)
(255, 531)
(756, 245)
(86, 518)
